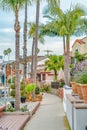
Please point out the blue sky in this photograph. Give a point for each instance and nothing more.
(7, 35)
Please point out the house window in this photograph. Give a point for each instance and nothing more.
(76, 50)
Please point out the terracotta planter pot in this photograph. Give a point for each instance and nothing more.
(84, 92)
(74, 87)
(79, 90)
(60, 92)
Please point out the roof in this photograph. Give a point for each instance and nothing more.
(80, 41)
(29, 58)
(42, 62)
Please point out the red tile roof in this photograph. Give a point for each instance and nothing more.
(80, 41)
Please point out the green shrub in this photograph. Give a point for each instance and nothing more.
(30, 88)
(22, 85)
(37, 90)
(61, 83)
(10, 108)
(45, 88)
(13, 86)
(11, 80)
(24, 108)
(22, 93)
(12, 93)
(83, 78)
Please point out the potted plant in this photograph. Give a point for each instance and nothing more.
(29, 90)
(60, 89)
(83, 81)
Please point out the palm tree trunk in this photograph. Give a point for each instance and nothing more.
(33, 56)
(36, 42)
(64, 48)
(67, 62)
(25, 41)
(36, 37)
(55, 75)
(17, 80)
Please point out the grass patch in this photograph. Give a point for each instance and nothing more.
(66, 123)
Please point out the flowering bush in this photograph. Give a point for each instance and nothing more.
(45, 87)
(79, 73)
(82, 66)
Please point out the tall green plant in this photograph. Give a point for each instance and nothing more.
(30, 88)
(15, 6)
(64, 24)
(54, 63)
(31, 34)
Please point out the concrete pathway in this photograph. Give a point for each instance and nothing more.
(49, 116)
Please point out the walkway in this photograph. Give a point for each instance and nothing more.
(50, 115)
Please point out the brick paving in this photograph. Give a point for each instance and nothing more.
(17, 121)
(13, 122)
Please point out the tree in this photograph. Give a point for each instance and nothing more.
(15, 6)
(25, 40)
(8, 52)
(65, 24)
(31, 34)
(54, 63)
(50, 3)
(79, 57)
(5, 53)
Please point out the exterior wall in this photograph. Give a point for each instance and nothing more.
(80, 119)
(49, 78)
(76, 113)
(69, 113)
(82, 48)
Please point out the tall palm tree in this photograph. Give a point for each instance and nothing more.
(36, 38)
(31, 34)
(25, 42)
(65, 24)
(15, 6)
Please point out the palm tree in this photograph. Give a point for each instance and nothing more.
(31, 34)
(64, 24)
(54, 63)
(8, 52)
(15, 6)
(36, 38)
(5, 53)
(50, 2)
(25, 42)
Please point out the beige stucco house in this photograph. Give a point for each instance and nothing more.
(80, 45)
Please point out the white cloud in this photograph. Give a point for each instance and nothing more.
(6, 30)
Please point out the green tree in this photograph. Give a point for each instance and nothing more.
(8, 53)
(54, 63)
(31, 34)
(5, 53)
(25, 39)
(25, 42)
(64, 24)
(80, 57)
(15, 6)
(50, 3)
